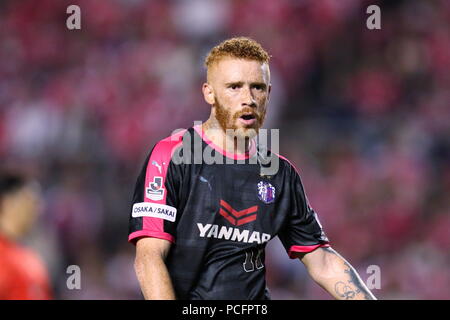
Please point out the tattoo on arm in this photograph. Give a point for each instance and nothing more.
(345, 291)
(357, 282)
(354, 285)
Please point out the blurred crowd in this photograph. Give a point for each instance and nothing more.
(364, 114)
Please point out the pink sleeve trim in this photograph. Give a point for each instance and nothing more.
(153, 234)
(305, 249)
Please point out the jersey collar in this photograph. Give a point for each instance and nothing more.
(232, 155)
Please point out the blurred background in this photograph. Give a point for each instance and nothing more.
(364, 115)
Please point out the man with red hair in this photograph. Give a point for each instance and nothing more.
(201, 227)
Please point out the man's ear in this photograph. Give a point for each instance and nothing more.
(208, 93)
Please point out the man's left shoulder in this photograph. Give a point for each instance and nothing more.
(285, 163)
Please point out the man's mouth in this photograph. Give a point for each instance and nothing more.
(248, 118)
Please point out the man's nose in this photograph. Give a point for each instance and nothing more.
(248, 99)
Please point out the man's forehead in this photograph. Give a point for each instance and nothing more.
(234, 69)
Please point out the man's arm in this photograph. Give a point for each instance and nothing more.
(333, 273)
(151, 269)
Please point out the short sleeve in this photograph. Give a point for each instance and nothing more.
(302, 231)
(155, 199)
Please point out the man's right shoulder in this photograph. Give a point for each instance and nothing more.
(166, 147)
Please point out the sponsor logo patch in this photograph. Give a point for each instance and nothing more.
(233, 234)
(155, 210)
(155, 190)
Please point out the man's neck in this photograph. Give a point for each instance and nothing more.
(214, 132)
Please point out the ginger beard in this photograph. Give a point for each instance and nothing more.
(229, 121)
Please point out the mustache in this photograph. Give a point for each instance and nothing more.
(248, 110)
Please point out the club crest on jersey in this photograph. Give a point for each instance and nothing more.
(266, 192)
(155, 190)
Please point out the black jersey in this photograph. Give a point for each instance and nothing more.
(219, 216)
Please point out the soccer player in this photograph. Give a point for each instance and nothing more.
(22, 273)
(200, 227)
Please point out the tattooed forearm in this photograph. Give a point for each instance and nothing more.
(354, 279)
(346, 282)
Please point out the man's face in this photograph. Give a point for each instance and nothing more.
(240, 91)
(19, 210)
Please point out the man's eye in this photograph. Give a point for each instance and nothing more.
(234, 86)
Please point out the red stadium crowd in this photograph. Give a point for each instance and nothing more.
(364, 115)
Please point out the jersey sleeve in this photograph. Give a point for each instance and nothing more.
(302, 231)
(155, 199)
